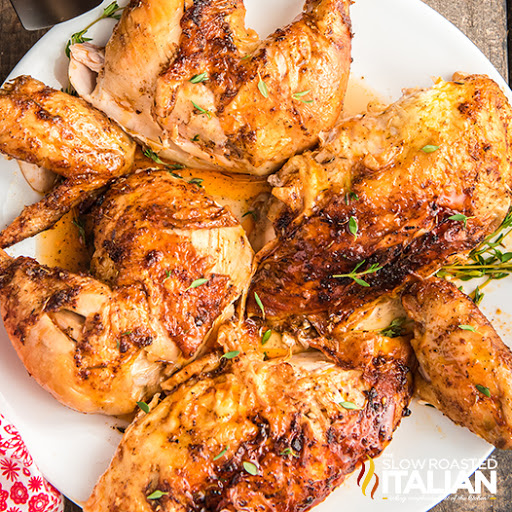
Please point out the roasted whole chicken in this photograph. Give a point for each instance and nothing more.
(391, 193)
(188, 79)
(65, 135)
(248, 434)
(168, 262)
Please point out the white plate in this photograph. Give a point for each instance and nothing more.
(397, 44)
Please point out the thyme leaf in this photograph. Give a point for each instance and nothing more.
(144, 407)
(485, 391)
(266, 336)
(429, 148)
(262, 86)
(221, 454)
(196, 79)
(156, 495)
(231, 355)
(197, 283)
(251, 468)
(352, 226)
(260, 304)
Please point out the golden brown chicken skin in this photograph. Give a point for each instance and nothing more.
(168, 263)
(378, 200)
(249, 434)
(65, 135)
(465, 369)
(214, 96)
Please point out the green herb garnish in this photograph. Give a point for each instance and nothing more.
(485, 391)
(349, 405)
(300, 96)
(221, 454)
(289, 451)
(230, 355)
(266, 336)
(111, 11)
(260, 304)
(251, 468)
(143, 406)
(196, 79)
(148, 152)
(467, 328)
(81, 230)
(477, 296)
(429, 148)
(460, 217)
(355, 275)
(196, 181)
(198, 282)
(156, 495)
(262, 86)
(394, 329)
(352, 226)
(201, 110)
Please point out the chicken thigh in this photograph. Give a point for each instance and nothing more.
(391, 193)
(188, 79)
(168, 263)
(236, 432)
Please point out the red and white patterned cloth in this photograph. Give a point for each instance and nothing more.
(22, 487)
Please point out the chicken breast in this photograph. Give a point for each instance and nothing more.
(390, 193)
(188, 79)
(65, 135)
(465, 369)
(168, 263)
(247, 434)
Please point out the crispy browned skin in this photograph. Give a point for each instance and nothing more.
(403, 199)
(280, 415)
(245, 129)
(100, 343)
(453, 361)
(66, 135)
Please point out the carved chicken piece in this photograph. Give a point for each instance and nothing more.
(248, 434)
(390, 193)
(188, 79)
(465, 369)
(65, 135)
(168, 263)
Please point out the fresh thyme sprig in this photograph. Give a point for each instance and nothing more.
(356, 276)
(170, 167)
(489, 260)
(111, 11)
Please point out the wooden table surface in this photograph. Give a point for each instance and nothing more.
(485, 23)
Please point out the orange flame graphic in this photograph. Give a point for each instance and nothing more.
(368, 477)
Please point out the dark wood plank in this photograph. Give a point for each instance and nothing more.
(484, 22)
(14, 40)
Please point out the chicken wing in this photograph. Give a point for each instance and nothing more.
(391, 193)
(248, 434)
(168, 263)
(188, 79)
(465, 370)
(65, 135)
